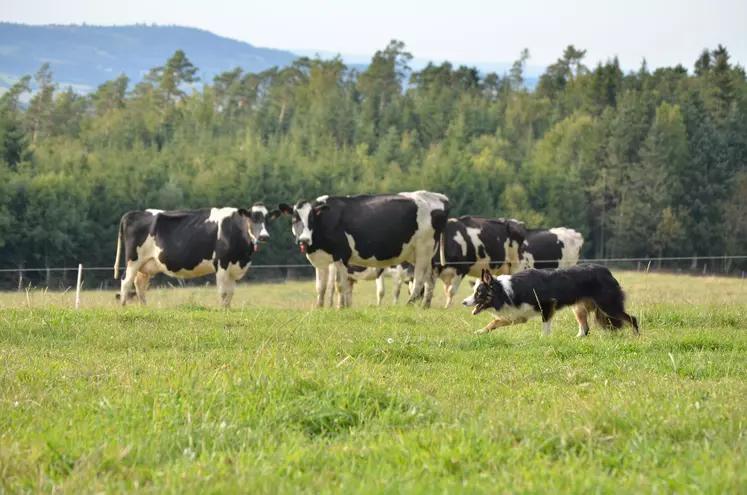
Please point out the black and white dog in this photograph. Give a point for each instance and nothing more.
(533, 292)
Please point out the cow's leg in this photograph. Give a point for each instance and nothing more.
(380, 288)
(421, 271)
(322, 275)
(226, 286)
(456, 281)
(128, 281)
(142, 280)
(447, 277)
(349, 285)
(330, 284)
(399, 279)
(429, 284)
(340, 279)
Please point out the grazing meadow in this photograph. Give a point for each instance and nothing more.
(273, 396)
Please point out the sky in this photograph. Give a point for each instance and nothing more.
(664, 32)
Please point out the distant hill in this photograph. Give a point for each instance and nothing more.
(85, 56)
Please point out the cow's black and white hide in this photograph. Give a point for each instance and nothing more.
(474, 244)
(559, 247)
(190, 244)
(370, 231)
(398, 273)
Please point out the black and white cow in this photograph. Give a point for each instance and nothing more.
(190, 244)
(559, 247)
(474, 243)
(399, 274)
(372, 231)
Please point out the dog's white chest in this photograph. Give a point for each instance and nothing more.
(513, 313)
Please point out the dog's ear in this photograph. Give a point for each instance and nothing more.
(486, 276)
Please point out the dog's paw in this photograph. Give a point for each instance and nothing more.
(481, 331)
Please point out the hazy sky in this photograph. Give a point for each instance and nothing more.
(665, 32)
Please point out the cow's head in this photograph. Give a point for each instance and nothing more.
(517, 230)
(258, 217)
(305, 219)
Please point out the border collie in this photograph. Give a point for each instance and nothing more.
(529, 293)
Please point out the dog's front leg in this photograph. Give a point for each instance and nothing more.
(499, 322)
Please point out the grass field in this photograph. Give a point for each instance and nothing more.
(273, 397)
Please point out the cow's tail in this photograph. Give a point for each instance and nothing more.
(442, 221)
(441, 249)
(119, 247)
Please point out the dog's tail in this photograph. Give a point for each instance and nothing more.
(607, 321)
(610, 311)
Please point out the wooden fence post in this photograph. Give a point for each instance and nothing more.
(77, 287)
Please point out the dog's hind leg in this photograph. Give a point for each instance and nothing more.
(581, 310)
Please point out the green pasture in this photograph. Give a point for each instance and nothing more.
(273, 396)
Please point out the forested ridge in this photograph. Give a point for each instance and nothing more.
(646, 163)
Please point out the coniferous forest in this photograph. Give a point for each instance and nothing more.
(648, 163)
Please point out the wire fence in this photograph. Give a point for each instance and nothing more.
(96, 277)
(693, 259)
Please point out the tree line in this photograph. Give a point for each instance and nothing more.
(646, 163)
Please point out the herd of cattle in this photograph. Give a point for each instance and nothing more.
(408, 236)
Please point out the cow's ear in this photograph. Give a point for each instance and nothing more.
(285, 209)
(318, 209)
(487, 277)
(274, 214)
(245, 212)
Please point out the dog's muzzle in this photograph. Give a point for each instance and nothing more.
(479, 307)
